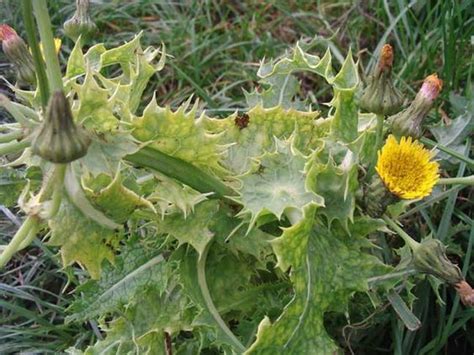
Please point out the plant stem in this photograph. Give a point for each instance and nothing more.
(180, 170)
(413, 244)
(465, 180)
(13, 147)
(378, 279)
(8, 137)
(378, 143)
(201, 272)
(15, 112)
(14, 244)
(60, 172)
(25, 235)
(453, 153)
(29, 238)
(53, 182)
(46, 34)
(28, 20)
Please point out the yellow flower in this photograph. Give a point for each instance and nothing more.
(406, 168)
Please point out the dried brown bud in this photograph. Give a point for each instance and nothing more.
(386, 58)
(380, 96)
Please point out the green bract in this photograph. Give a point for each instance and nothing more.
(239, 234)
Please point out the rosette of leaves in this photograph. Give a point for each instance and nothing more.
(173, 267)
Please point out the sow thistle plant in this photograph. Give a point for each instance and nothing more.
(241, 234)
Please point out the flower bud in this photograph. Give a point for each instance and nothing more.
(380, 96)
(80, 24)
(429, 257)
(17, 52)
(409, 121)
(376, 197)
(58, 139)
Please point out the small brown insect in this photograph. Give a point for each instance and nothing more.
(242, 120)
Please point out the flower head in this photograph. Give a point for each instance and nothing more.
(406, 168)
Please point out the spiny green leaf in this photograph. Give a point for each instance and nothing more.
(207, 321)
(232, 233)
(193, 229)
(337, 184)
(118, 202)
(141, 329)
(94, 108)
(181, 135)
(136, 268)
(76, 64)
(280, 85)
(171, 196)
(81, 239)
(119, 95)
(277, 184)
(327, 267)
(106, 152)
(246, 143)
(344, 124)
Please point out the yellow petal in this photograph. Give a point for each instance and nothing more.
(406, 168)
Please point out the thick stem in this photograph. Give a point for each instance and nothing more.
(413, 244)
(60, 171)
(379, 279)
(46, 34)
(180, 170)
(378, 143)
(15, 112)
(28, 20)
(29, 238)
(27, 232)
(13, 147)
(18, 238)
(201, 271)
(8, 137)
(465, 180)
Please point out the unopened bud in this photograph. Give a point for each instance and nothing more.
(380, 96)
(429, 257)
(58, 139)
(409, 121)
(80, 24)
(17, 52)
